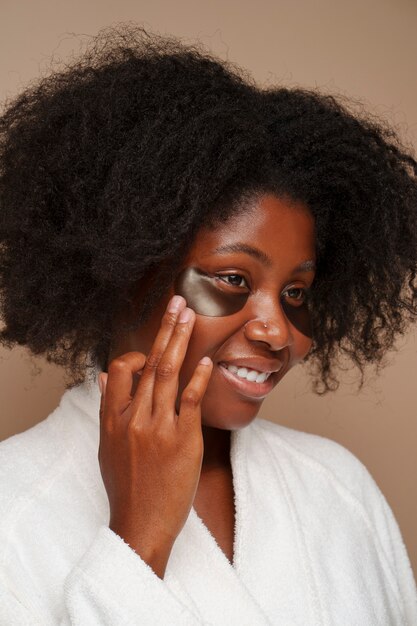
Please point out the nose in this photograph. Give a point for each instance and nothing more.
(272, 328)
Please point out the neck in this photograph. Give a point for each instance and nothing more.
(216, 448)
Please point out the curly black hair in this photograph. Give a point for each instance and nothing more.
(110, 166)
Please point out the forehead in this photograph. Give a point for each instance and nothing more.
(279, 228)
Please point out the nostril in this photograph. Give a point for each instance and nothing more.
(276, 334)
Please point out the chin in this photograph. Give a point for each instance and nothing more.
(240, 416)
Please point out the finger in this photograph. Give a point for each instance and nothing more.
(167, 373)
(121, 372)
(191, 397)
(143, 397)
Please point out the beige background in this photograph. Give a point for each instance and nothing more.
(366, 49)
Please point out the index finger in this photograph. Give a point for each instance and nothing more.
(144, 390)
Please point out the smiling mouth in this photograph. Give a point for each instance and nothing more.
(246, 373)
(248, 388)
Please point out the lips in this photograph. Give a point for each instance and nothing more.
(255, 363)
(246, 387)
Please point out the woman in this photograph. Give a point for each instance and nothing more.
(181, 238)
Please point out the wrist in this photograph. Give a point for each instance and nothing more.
(150, 547)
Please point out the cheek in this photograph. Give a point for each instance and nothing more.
(208, 335)
(300, 348)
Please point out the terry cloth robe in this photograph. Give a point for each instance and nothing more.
(316, 543)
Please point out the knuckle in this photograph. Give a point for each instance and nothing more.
(109, 434)
(153, 359)
(182, 329)
(169, 319)
(108, 428)
(117, 365)
(190, 397)
(162, 435)
(135, 428)
(165, 370)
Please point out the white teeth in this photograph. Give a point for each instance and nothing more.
(251, 375)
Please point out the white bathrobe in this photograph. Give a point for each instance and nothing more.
(315, 542)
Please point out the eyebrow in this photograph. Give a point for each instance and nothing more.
(305, 266)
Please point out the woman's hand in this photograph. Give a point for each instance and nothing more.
(150, 457)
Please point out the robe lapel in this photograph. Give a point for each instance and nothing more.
(273, 561)
(199, 566)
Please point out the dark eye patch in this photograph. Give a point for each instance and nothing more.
(299, 316)
(205, 298)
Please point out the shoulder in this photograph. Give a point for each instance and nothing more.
(330, 483)
(32, 460)
(311, 446)
(330, 488)
(316, 457)
(24, 458)
(321, 474)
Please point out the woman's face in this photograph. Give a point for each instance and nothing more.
(251, 289)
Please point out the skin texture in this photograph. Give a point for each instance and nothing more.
(170, 469)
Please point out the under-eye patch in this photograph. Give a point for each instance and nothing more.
(205, 297)
(299, 316)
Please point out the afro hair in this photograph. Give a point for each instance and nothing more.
(110, 166)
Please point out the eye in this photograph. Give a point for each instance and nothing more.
(235, 279)
(296, 296)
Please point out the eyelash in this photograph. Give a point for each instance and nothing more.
(305, 292)
(223, 276)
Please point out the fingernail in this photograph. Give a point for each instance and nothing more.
(175, 304)
(100, 384)
(185, 316)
